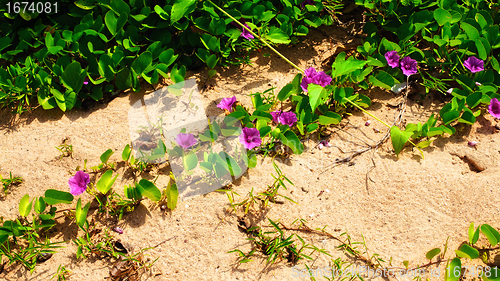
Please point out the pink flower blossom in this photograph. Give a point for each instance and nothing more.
(78, 183)
(314, 77)
(250, 138)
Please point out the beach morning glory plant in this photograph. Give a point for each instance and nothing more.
(276, 114)
(287, 118)
(78, 183)
(392, 58)
(185, 140)
(314, 77)
(474, 64)
(227, 103)
(250, 138)
(494, 108)
(408, 66)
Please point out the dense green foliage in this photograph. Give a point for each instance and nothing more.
(113, 44)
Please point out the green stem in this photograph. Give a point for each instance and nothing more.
(257, 36)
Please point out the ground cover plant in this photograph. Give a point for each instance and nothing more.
(450, 48)
(86, 50)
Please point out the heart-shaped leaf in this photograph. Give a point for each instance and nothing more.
(399, 139)
(148, 189)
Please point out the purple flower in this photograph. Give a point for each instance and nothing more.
(474, 64)
(78, 183)
(246, 34)
(250, 138)
(450, 90)
(86, 81)
(227, 103)
(314, 77)
(185, 140)
(287, 118)
(392, 58)
(307, 2)
(408, 66)
(367, 123)
(323, 143)
(276, 114)
(494, 108)
(118, 230)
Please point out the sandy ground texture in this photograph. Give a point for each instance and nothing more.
(406, 207)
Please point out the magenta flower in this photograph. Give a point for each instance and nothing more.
(78, 183)
(408, 66)
(86, 81)
(323, 143)
(392, 58)
(307, 2)
(474, 64)
(287, 118)
(494, 108)
(250, 138)
(314, 77)
(118, 230)
(227, 103)
(246, 34)
(185, 140)
(276, 114)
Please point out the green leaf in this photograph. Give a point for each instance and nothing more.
(131, 192)
(40, 205)
(490, 233)
(470, 30)
(473, 235)
(453, 270)
(81, 214)
(105, 182)
(53, 197)
(347, 66)
(179, 9)
(399, 139)
(114, 23)
(126, 153)
(106, 67)
(190, 161)
(470, 252)
(285, 92)
(450, 116)
(277, 36)
(474, 99)
(105, 156)
(73, 76)
(25, 205)
(432, 253)
(442, 16)
(329, 118)
(148, 189)
(212, 60)
(290, 139)
(467, 117)
(46, 101)
(172, 195)
(316, 95)
(234, 168)
(142, 62)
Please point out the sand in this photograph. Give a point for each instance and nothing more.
(408, 206)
